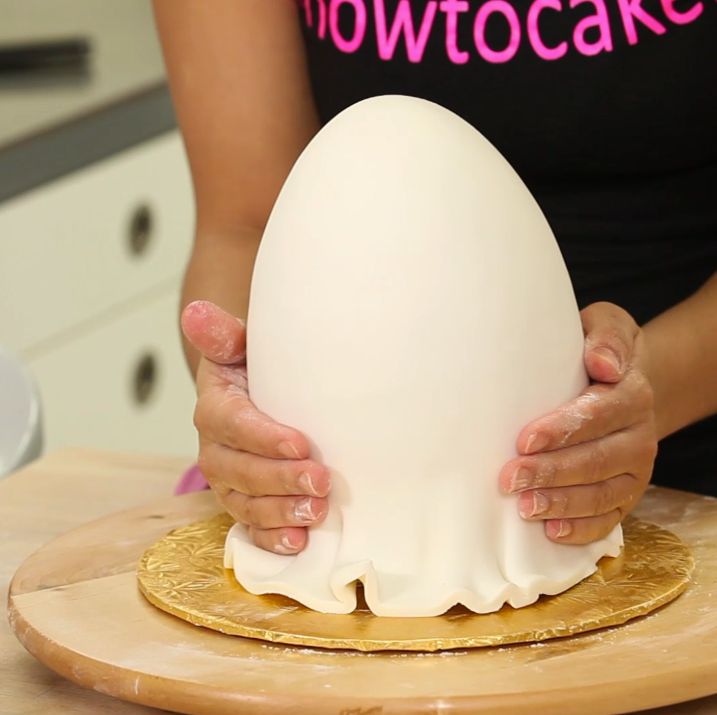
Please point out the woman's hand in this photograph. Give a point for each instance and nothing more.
(585, 466)
(258, 468)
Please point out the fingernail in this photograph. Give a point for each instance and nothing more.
(537, 442)
(288, 450)
(522, 479)
(558, 529)
(306, 484)
(304, 510)
(537, 504)
(285, 546)
(198, 307)
(609, 356)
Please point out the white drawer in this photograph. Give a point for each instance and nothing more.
(66, 249)
(91, 388)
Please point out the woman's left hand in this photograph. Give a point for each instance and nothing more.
(585, 466)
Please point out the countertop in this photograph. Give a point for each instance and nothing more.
(53, 124)
(64, 490)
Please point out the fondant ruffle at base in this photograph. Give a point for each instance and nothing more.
(324, 576)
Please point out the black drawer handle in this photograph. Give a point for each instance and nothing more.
(141, 227)
(145, 379)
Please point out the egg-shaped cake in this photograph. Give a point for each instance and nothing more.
(410, 312)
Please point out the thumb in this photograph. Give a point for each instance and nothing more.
(216, 334)
(610, 334)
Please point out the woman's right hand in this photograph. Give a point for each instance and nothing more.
(259, 469)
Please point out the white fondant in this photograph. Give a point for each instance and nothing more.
(410, 312)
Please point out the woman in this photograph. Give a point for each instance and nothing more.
(604, 108)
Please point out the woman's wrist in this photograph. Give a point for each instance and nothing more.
(681, 364)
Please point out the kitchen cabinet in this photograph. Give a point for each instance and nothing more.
(90, 270)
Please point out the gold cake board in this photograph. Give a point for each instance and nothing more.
(75, 605)
(183, 574)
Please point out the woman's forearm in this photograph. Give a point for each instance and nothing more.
(220, 270)
(682, 354)
(243, 98)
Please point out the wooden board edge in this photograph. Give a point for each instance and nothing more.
(191, 698)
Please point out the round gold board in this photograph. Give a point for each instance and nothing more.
(183, 574)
